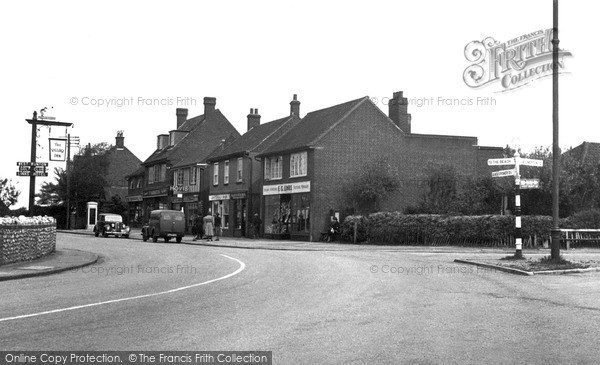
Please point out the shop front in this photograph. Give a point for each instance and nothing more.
(233, 210)
(135, 210)
(155, 199)
(287, 210)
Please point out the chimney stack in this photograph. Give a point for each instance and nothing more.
(295, 106)
(253, 119)
(182, 114)
(120, 140)
(209, 106)
(398, 111)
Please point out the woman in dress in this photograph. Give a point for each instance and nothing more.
(209, 226)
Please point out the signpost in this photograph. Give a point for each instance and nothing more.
(32, 169)
(519, 184)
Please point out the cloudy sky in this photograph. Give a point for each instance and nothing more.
(112, 65)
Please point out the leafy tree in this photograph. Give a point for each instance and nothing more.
(374, 182)
(9, 195)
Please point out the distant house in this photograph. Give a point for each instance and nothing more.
(121, 162)
(305, 170)
(174, 174)
(587, 153)
(236, 174)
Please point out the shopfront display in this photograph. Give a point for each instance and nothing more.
(288, 214)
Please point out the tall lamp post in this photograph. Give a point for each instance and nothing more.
(555, 248)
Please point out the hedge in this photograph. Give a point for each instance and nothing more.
(395, 228)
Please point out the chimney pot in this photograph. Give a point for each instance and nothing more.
(209, 106)
(295, 106)
(253, 118)
(181, 114)
(398, 111)
(120, 140)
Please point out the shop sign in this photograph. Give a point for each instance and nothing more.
(133, 198)
(180, 188)
(190, 198)
(241, 195)
(218, 197)
(292, 188)
(156, 192)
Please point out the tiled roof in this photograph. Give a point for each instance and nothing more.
(258, 138)
(587, 152)
(122, 162)
(139, 171)
(204, 136)
(313, 126)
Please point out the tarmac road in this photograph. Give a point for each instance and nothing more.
(308, 307)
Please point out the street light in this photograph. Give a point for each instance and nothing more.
(555, 233)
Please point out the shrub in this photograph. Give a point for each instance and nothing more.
(589, 219)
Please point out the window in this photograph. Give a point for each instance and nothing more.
(163, 172)
(273, 168)
(216, 173)
(157, 172)
(298, 164)
(240, 166)
(193, 175)
(132, 184)
(180, 178)
(226, 172)
(150, 174)
(139, 183)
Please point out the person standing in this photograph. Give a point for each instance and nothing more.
(197, 227)
(209, 226)
(217, 226)
(256, 222)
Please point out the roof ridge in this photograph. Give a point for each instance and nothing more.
(289, 118)
(333, 125)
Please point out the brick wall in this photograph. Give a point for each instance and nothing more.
(20, 242)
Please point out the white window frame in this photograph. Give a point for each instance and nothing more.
(180, 175)
(240, 169)
(226, 172)
(216, 174)
(298, 164)
(274, 168)
(193, 175)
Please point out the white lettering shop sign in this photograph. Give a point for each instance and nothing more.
(292, 188)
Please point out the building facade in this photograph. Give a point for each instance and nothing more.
(306, 170)
(175, 174)
(236, 174)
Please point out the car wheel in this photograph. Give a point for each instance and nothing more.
(154, 237)
(104, 234)
(167, 239)
(178, 239)
(125, 236)
(144, 237)
(96, 233)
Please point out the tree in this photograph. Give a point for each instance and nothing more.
(373, 183)
(9, 195)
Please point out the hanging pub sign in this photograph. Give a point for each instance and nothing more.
(58, 149)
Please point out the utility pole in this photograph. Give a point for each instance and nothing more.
(555, 233)
(68, 181)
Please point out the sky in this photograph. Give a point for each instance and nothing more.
(111, 65)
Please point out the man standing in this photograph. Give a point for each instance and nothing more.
(256, 222)
(217, 226)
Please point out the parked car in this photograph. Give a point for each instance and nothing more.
(164, 224)
(111, 224)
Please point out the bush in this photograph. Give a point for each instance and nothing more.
(586, 219)
(431, 229)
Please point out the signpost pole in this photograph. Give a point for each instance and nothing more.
(518, 234)
(555, 233)
(33, 160)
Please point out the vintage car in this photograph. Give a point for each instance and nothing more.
(111, 224)
(165, 224)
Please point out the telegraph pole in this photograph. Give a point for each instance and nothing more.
(68, 180)
(555, 246)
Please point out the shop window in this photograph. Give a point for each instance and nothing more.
(298, 164)
(300, 210)
(226, 172)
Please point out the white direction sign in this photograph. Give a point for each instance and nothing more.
(501, 161)
(511, 172)
(530, 183)
(530, 162)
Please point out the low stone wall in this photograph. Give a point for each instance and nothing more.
(26, 238)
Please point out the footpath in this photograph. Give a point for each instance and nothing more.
(68, 259)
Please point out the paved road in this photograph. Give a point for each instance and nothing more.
(307, 307)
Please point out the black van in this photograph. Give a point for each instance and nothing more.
(166, 224)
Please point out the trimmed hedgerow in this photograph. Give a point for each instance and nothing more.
(395, 228)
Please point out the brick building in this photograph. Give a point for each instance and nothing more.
(121, 162)
(174, 175)
(305, 170)
(236, 183)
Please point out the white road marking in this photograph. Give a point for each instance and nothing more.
(239, 270)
